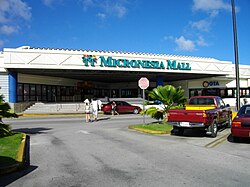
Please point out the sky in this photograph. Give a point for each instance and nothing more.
(200, 28)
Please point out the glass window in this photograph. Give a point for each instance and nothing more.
(20, 89)
(71, 91)
(26, 92)
(44, 93)
(63, 90)
(32, 89)
(129, 93)
(49, 93)
(220, 102)
(230, 92)
(222, 93)
(19, 92)
(38, 92)
(58, 90)
(38, 89)
(191, 93)
(32, 92)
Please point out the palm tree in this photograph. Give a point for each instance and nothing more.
(5, 129)
(169, 96)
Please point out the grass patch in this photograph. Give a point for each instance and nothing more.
(155, 126)
(9, 148)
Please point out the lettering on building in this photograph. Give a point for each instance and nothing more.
(91, 60)
(206, 84)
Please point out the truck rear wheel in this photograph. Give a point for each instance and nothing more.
(212, 129)
(178, 131)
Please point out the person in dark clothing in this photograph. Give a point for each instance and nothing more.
(114, 108)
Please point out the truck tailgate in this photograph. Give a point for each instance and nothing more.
(186, 115)
(200, 107)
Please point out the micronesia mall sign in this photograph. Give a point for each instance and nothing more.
(91, 60)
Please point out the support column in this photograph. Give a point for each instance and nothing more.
(12, 87)
(159, 81)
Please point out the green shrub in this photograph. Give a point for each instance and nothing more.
(5, 129)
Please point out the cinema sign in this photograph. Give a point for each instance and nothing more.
(91, 60)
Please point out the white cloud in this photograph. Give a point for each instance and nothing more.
(119, 10)
(48, 2)
(168, 38)
(202, 25)
(52, 3)
(101, 15)
(212, 8)
(2, 43)
(211, 5)
(201, 42)
(109, 8)
(11, 9)
(11, 12)
(7, 30)
(87, 3)
(184, 44)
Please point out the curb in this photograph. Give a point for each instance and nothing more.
(21, 148)
(149, 131)
(52, 114)
(19, 159)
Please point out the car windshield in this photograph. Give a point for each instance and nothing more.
(201, 101)
(245, 110)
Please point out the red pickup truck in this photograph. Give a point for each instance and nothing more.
(204, 112)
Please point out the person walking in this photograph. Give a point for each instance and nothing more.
(87, 110)
(95, 108)
(114, 108)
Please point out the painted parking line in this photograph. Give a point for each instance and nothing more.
(218, 141)
(82, 131)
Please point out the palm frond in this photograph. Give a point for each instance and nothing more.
(170, 97)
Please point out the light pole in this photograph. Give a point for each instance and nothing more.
(236, 58)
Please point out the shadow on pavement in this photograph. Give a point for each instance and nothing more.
(196, 132)
(32, 130)
(104, 118)
(239, 140)
(7, 179)
(191, 133)
(100, 119)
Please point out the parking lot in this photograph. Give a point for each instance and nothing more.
(67, 151)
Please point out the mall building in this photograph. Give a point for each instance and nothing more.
(63, 75)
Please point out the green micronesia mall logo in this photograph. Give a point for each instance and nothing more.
(91, 60)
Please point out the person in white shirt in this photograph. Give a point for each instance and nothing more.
(87, 110)
(95, 108)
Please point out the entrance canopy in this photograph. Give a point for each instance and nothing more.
(110, 76)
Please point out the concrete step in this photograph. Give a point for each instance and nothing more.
(77, 107)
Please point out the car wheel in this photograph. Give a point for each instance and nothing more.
(213, 129)
(135, 111)
(236, 139)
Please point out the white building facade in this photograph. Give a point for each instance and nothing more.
(62, 75)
